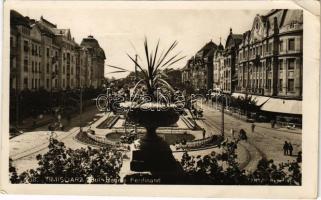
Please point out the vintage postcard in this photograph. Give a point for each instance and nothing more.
(160, 98)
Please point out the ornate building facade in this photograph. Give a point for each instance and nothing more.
(47, 57)
(229, 70)
(218, 64)
(270, 56)
(198, 71)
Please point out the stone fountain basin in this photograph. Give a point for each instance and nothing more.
(153, 116)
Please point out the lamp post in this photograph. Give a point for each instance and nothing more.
(107, 96)
(222, 97)
(80, 109)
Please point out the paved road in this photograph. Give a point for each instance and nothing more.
(27, 159)
(263, 142)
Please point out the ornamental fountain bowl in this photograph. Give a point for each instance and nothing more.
(153, 115)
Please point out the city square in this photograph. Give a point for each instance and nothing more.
(230, 114)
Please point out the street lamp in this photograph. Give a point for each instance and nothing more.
(107, 96)
(223, 99)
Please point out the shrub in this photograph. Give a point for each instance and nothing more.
(62, 165)
(223, 169)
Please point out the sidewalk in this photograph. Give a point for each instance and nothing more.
(32, 124)
(265, 125)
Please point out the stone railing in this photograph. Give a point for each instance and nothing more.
(101, 139)
(199, 143)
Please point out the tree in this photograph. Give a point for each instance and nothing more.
(62, 165)
(222, 168)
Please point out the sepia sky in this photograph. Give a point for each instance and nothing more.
(121, 31)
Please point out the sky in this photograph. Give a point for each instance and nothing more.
(122, 31)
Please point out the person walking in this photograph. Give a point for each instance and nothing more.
(285, 148)
(299, 158)
(253, 127)
(203, 132)
(232, 133)
(290, 148)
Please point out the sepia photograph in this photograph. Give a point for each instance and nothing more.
(156, 96)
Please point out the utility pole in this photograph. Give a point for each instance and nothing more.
(136, 68)
(80, 117)
(222, 125)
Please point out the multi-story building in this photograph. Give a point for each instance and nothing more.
(229, 70)
(19, 51)
(97, 61)
(218, 63)
(271, 55)
(264, 63)
(198, 71)
(44, 56)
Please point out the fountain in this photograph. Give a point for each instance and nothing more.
(152, 158)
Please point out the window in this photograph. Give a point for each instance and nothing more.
(47, 67)
(280, 85)
(25, 65)
(281, 64)
(47, 83)
(290, 85)
(281, 46)
(270, 47)
(32, 49)
(25, 46)
(291, 44)
(47, 52)
(63, 83)
(25, 82)
(291, 62)
(64, 69)
(32, 83)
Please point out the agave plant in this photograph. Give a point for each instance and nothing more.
(152, 72)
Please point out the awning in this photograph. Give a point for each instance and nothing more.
(259, 100)
(283, 106)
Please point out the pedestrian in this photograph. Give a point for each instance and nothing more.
(61, 126)
(272, 123)
(299, 158)
(242, 135)
(253, 127)
(290, 148)
(285, 148)
(232, 133)
(203, 132)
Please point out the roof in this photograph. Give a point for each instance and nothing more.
(18, 19)
(293, 16)
(207, 49)
(91, 43)
(220, 47)
(233, 40)
(48, 23)
(44, 29)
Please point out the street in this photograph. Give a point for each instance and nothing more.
(263, 142)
